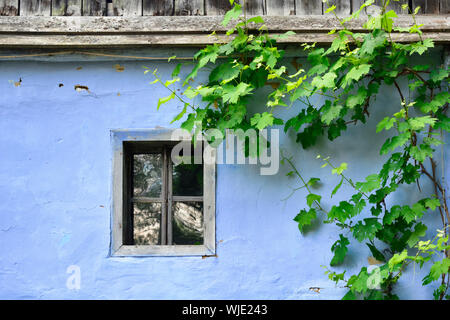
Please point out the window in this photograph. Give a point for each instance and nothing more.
(161, 207)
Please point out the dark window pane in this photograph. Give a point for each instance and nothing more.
(187, 180)
(147, 171)
(187, 223)
(147, 223)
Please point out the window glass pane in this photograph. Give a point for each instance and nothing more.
(187, 180)
(187, 223)
(147, 223)
(147, 171)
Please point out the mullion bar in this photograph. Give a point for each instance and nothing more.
(164, 203)
(169, 203)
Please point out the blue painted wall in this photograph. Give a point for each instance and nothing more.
(55, 194)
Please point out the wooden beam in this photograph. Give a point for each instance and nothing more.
(192, 24)
(9, 7)
(127, 41)
(179, 30)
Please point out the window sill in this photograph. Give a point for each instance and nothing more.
(162, 251)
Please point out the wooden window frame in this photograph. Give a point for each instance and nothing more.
(121, 199)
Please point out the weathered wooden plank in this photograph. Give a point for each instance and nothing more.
(342, 7)
(426, 6)
(193, 24)
(9, 7)
(35, 7)
(255, 7)
(157, 8)
(280, 7)
(394, 5)
(217, 7)
(94, 7)
(126, 8)
(126, 40)
(305, 7)
(189, 7)
(66, 7)
(445, 7)
(356, 4)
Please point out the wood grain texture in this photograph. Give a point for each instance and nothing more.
(94, 7)
(280, 7)
(394, 5)
(426, 6)
(342, 7)
(255, 7)
(9, 7)
(216, 7)
(305, 7)
(157, 8)
(35, 7)
(126, 7)
(189, 7)
(66, 7)
(445, 7)
(192, 24)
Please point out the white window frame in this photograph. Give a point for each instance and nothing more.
(118, 249)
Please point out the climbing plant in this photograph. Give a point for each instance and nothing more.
(347, 76)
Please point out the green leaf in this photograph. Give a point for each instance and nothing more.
(162, 101)
(231, 93)
(305, 218)
(419, 231)
(357, 99)
(338, 186)
(176, 70)
(261, 121)
(181, 114)
(395, 142)
(338, 170)
(325, 81)
(385, 124)
(311, 198)
(355, 74)
(376, 253)
(419, 123)
(373, 182)
(421, 154)
(234, 13)
(367, 230)
(437, 270)
(330, 112)
(432, 203)
(397, 259)
(339, 249)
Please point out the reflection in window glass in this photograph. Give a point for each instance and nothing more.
(147, 223)
(187, 223)
(187, 180)
(147, 171)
